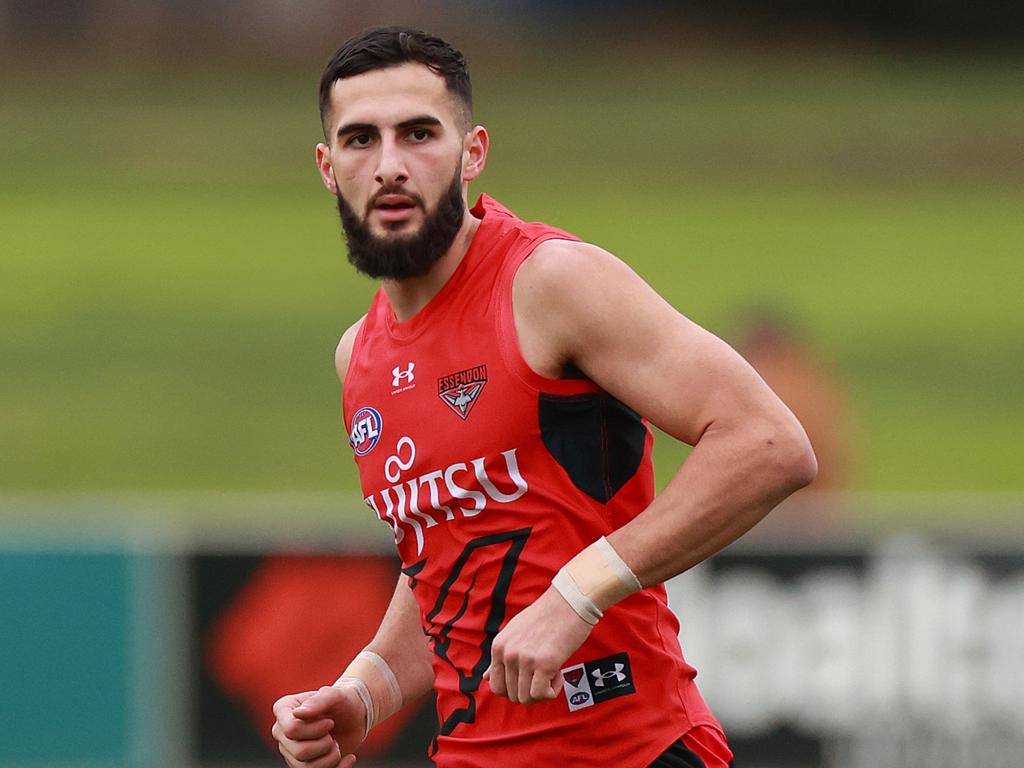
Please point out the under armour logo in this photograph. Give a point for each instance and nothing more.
(400, 375)
(600, 677)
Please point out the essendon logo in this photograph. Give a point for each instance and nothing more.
(459, 391)
(574, 676)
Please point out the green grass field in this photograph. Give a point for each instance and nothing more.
(172, 281)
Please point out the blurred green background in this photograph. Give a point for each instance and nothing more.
(173, 280)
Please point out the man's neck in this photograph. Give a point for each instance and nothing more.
(410, 295)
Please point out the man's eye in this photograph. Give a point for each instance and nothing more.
(419, 134)
(359, 140)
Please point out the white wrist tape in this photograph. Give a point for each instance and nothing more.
(596, 579)
(356, 684)
(375, 684)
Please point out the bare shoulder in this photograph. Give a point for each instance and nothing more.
(343, 353)
(562, 278)
(575, 277)
(557, 264)
(561, 297)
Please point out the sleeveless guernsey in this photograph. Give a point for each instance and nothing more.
(491, 477)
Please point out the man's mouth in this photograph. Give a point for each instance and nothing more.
(394, 203)
(394, 210)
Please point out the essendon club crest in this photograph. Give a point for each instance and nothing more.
(460, 391)
(574, 676)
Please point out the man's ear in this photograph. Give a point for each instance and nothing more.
(323, 164)
(474, 153)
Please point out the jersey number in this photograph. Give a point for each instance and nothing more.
(473, 562)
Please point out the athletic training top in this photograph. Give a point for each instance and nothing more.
(491, 478)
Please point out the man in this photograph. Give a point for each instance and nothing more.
(496, 395)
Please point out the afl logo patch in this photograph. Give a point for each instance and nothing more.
(366, 428)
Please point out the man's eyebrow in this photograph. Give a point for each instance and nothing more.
(420, 120)
(354, 127)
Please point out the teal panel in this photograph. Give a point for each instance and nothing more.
(64, 657)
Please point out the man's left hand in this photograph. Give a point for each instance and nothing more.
(528, 654)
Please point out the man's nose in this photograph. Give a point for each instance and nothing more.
(391, 169)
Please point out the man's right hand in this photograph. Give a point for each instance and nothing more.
(320, 729)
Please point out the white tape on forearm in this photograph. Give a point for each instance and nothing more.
(595, 580)
(618, 565)
(389, 676)
(376, 685)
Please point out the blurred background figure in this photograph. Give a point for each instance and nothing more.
(809, 386)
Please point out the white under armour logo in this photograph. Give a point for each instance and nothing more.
(600, 677)
(400, 375)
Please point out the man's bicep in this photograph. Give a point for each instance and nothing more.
(672, 371)
(667, 368)
(637, 347)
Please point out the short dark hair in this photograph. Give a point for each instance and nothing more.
(381, 47)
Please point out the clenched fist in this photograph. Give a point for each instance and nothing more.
(320, 729)
(528, 654)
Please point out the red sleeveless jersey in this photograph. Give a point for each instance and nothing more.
(491, 477)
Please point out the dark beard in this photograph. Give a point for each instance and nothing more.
(404, 256)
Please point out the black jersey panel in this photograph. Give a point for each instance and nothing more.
(597, 440)
(678, 756)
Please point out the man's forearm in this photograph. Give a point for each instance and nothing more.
(401, 643)
(728, 483)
